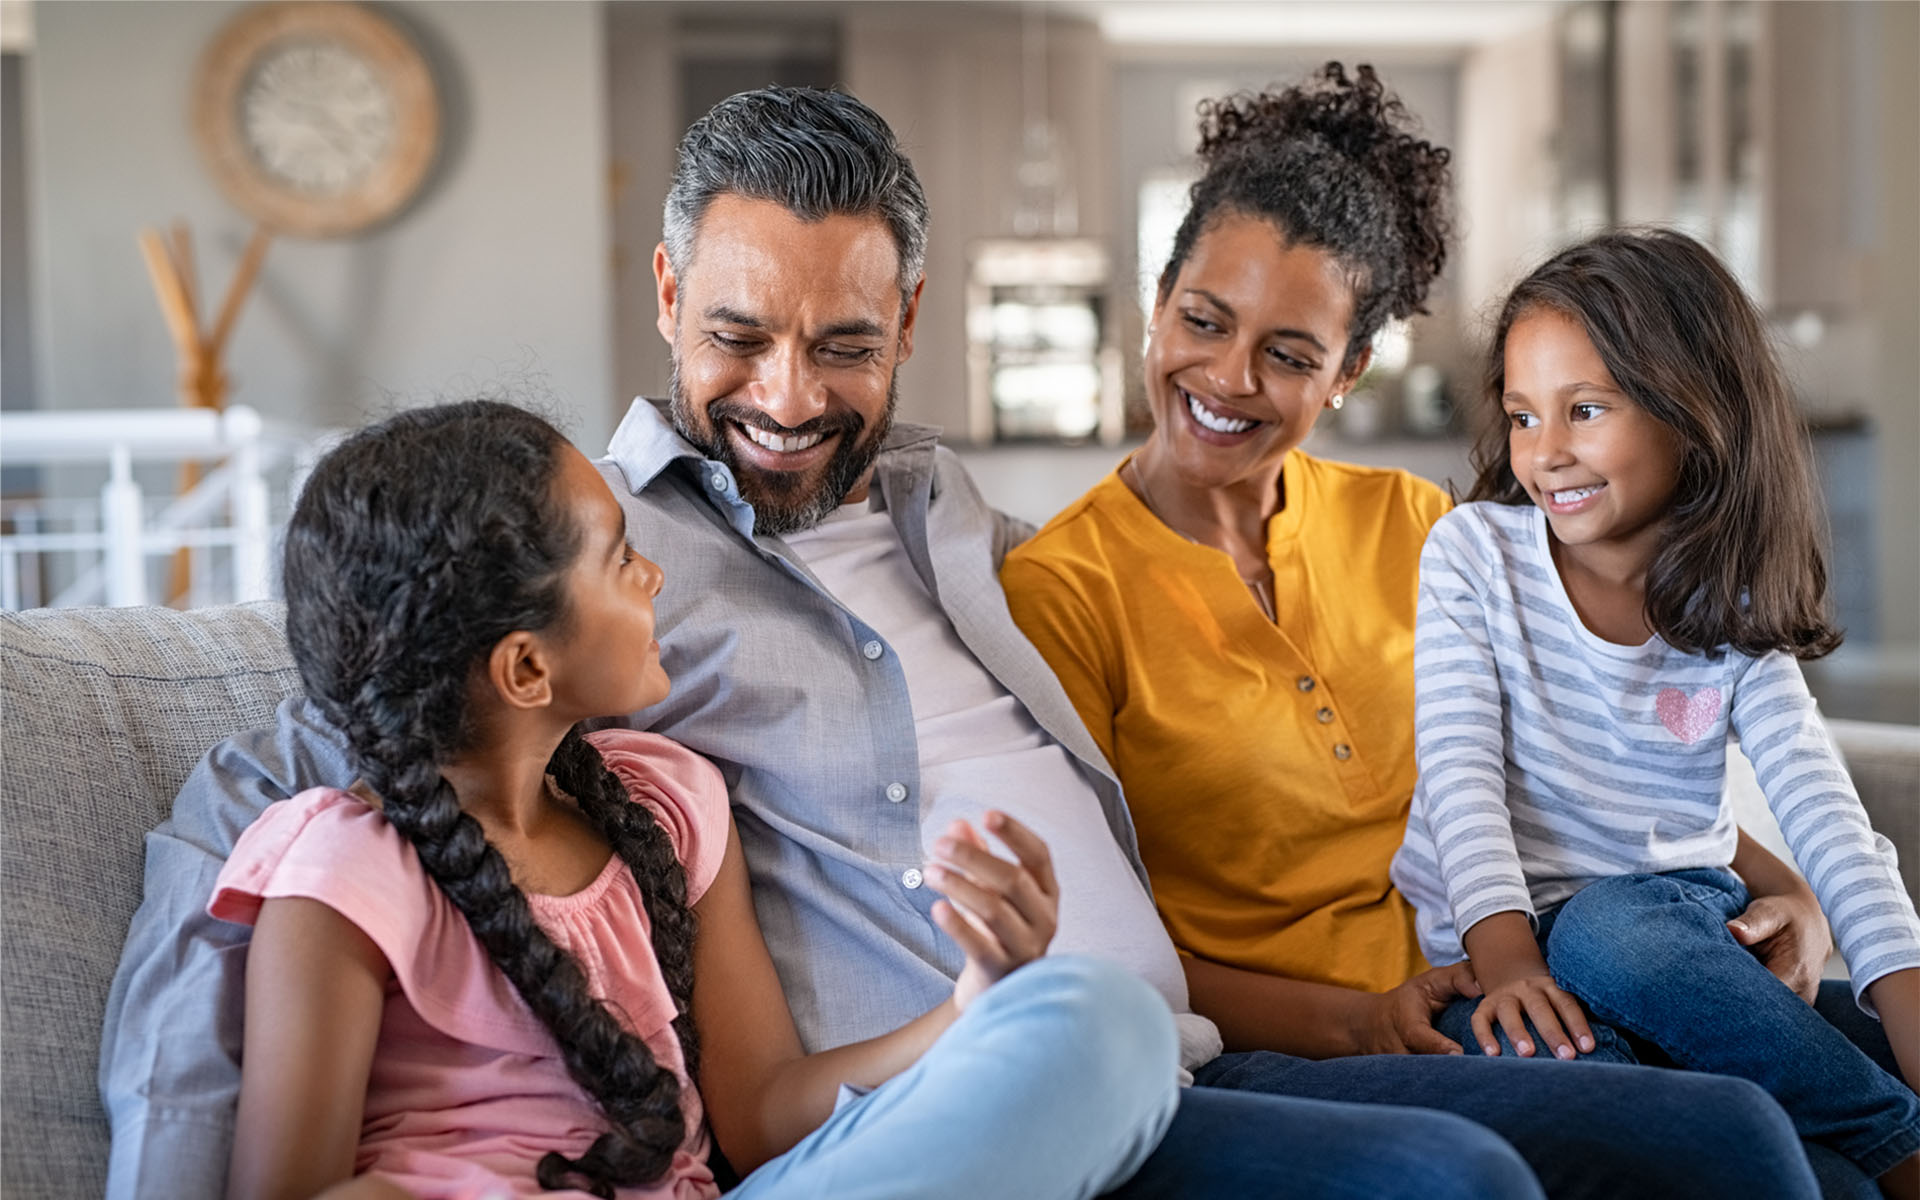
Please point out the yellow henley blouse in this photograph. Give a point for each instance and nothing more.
(1268, 765)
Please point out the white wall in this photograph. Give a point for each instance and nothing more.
(1505, 168)
(1844, 246)
(644, 128)
(947, 79)
(499, 275)
(1894, 295)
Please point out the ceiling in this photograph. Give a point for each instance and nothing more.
(1140, 26)
(1412, 24)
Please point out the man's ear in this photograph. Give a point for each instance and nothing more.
(907, 319)
(518, 671)
(666, 290)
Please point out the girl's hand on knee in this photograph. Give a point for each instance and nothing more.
(1002, 914)
(1554, 1014)
(1507, 961)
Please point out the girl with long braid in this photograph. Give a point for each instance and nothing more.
(498, 964)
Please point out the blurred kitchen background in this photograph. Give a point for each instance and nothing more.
(1054, 140)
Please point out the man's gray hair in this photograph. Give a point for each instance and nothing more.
(815, 153)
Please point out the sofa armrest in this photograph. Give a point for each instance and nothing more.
(1884, 763)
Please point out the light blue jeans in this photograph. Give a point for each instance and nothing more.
(1650, 958)
(1057, 1082)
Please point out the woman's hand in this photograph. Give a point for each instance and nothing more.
(1789, 934)
(1001, 913)
(1783, 925)
(1400, 1021)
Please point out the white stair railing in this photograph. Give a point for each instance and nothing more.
(110, 550)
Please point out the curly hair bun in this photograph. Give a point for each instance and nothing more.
(1336, 162)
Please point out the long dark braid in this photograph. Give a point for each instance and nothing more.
(637, 838)
(416, 546)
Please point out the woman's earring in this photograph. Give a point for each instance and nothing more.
(1336, 400)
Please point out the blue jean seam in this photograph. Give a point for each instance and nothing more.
(1688, 888)
(1875, 1161)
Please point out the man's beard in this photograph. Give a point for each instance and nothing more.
(783, 501)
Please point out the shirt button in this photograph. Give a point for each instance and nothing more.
(1304, 683)
(718, 481)
(1325, 715)
(911, 877)
(896, 792)
(873, 649)
(1343, 752)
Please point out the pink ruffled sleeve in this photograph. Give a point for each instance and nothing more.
(685, 792)
(329, 845)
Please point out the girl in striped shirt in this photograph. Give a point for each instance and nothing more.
(1632, 580)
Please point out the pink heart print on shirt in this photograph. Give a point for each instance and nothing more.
(1688, 718)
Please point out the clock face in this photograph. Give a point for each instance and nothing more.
(317, 119)
(316, 116)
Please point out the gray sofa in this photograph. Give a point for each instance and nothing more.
(102, 714)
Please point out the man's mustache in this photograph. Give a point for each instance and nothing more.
(745, 414)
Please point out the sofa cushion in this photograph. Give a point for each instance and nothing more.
(105, 712)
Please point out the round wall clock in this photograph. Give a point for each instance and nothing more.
(316, 119)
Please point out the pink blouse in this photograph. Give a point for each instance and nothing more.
(468, 1089)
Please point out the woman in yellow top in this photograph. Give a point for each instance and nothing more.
(1233, 618)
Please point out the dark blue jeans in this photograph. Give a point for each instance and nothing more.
(1451, 1126)
(1650, 958)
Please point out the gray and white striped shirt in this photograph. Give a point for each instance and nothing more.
(1550, 757)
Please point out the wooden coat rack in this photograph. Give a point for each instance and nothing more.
(202, 382)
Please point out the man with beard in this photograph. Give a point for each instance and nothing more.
(839, 647)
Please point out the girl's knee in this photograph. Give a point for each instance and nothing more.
(1627, 902)
(1617, 901)
(1636, 925)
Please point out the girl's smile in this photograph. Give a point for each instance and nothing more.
(1602, 468)
(1568, 501)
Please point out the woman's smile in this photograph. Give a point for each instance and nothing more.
(1226, 426)
(1246, 346)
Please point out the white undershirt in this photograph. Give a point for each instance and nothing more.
(981, 749)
